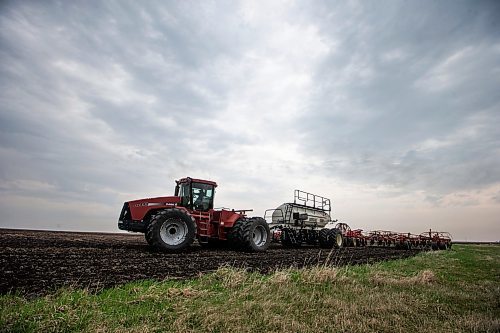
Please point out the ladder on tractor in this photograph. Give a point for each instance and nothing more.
(203, 225)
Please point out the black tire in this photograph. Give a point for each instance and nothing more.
(290, 239)
(171, 230)
(434, 246)
(251, 235)
(442, 245)
(338, 239)
(148, 240)
(325, 239)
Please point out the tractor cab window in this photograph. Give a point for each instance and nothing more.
(184, 193)
(203, 196)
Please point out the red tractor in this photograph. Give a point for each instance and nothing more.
(172, 223)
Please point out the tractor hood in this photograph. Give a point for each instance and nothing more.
(139, 208)
(159, 201)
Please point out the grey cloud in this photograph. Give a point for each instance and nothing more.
(106, 101)
(101, 100)
(381, 94)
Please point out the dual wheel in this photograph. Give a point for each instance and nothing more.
(173, 230)
(250, 234)
(329, 238)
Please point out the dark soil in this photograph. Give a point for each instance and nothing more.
(38, 262)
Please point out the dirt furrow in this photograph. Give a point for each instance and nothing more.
(38, 262)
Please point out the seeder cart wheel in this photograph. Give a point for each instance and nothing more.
(326, 240)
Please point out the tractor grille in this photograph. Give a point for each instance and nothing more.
(125, 213)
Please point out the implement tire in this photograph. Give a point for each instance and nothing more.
(290, 239)
(325, 239)
(338, 239)
(171, 230)
(250, 234)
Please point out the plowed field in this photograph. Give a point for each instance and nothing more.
(38, 262)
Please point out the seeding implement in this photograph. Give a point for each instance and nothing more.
(307, 220)
(172, 223)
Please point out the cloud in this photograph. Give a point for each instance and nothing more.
(408, 99)
(113, 101)
(106, 102)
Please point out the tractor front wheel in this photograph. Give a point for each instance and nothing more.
(171, 230)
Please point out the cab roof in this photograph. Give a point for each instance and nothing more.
(195, 180)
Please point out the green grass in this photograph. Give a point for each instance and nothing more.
(445, 291)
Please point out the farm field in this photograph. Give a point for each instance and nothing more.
(38, 262)
(443, 291)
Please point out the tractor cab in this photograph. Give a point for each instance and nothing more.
(196, 194)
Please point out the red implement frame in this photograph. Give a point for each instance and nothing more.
(436, 240)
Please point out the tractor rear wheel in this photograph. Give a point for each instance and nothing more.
(325, 239)
(171, 230)
(251, 235)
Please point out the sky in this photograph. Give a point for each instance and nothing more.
(389, 108)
